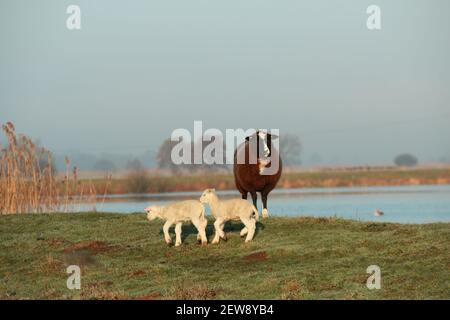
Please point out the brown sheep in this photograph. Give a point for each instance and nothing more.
(254, 173)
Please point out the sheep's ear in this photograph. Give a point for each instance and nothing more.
(251, 136)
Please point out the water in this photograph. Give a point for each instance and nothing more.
(404, 204)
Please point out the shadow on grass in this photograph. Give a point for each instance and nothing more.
(230, 227)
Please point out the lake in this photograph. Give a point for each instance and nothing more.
(404, 204)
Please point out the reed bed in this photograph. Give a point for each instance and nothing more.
(28, 183)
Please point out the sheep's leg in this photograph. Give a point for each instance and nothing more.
(250, 223)
(244, 231)
(166, 228)
(254, 199)
(178, 234)
(244, 195)
(201, 227)
(217, 224)
(264, 195)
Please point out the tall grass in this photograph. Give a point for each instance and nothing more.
(28, 183)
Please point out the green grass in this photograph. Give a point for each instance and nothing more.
(124, 256)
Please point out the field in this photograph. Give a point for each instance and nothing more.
(125, 257)
(305, 179)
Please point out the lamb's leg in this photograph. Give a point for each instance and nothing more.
(250, 223)
(217, 224)
(178, 234)
(201, 227)
(244, 231)
(166, 228)
(222, 233)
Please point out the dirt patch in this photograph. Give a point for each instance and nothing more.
(97, 291)
(151, 296)
(376, 227)
(50, 264)
(256, 256)
(106, 283)
(82, 253)
(137, 273)
(93, 246)
(200, 292)
(56, 242)
(79, 258)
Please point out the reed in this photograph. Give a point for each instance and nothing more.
(28, 183)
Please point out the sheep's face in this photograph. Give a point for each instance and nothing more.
(261, 142)
(153, 212)
(207, 195)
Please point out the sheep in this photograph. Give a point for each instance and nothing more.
(249, 176)
(177, 213)
(232, 209)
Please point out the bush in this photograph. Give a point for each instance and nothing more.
(405, 160)
(137, 177)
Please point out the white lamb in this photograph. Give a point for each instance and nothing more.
(232, 209)
(177, 213)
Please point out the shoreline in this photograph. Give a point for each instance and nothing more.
(314, 179)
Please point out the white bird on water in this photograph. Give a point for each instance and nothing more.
(378, 213)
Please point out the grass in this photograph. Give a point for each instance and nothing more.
(125, 257)
(312, 179)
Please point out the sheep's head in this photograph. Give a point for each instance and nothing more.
(153, 212)
(207, 195)
(261, 142)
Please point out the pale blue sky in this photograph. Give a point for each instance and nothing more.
(137, 70)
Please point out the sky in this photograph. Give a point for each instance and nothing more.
(137, 70)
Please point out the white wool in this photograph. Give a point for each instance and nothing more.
(225, 210)
(177, 213)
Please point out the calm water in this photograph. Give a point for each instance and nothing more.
(405, 204)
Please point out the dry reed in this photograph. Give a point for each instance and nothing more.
(27, 179)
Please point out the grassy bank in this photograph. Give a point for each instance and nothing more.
(124, 256)
(313, 179)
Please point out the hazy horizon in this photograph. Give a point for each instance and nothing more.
(138, 70)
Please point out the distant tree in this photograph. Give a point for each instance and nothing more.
(290, 149)
(163, 157)
(209, 163)
(137, 177)
(135, 165)
(315, 158)
(148, 157)
(104, 165)
(405, 160)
